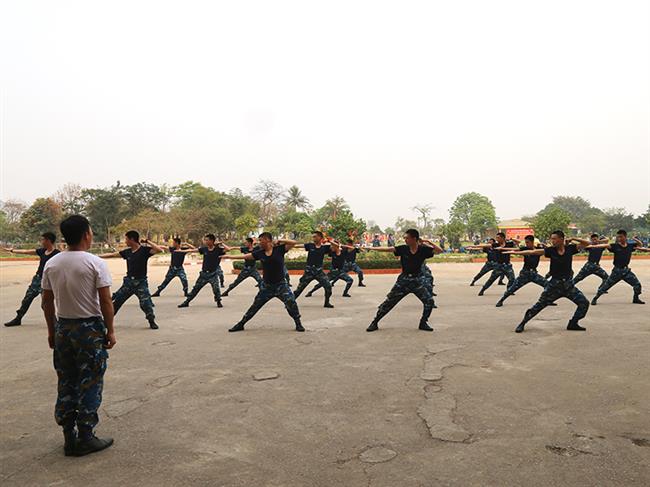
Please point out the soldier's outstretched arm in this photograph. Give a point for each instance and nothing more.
(597, 246)
(109, 255)
(238, 257)
(380, 249)
(525, 252)
(19, 251)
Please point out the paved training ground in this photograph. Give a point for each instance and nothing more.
(471, 404)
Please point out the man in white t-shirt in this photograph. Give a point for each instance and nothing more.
(79, 314)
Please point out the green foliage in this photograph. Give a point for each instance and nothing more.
(43, 216)
(245, 224)
(618, 218)
(475, 211)
(550, 219)
(455, 231)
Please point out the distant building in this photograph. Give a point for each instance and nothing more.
(516, 228)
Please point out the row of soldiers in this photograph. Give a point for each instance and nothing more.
(79, 309)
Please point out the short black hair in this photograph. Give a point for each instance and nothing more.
(50, 236)
(266, 235)
(559, 233)
(74, 228)
(177, 240)
(501, 234)
(622, 232)
(350, 241)
(412, 232)
(530, 238)
(594, 235)
(210, 236)
(491, 240)
(249, 239)
(133, 235)
(318, 232)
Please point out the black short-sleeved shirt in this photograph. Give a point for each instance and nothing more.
(315, 254)
(44, 258)
(351, 254)
(177, 257)
(491, 254)
(595, 255)
(412, 263)
(530, 261)
(622, 255)
(503, 258)
(337, 260)
(136, 262)
(245, 250)
(211, 258)
(561, 265)
(273, 265)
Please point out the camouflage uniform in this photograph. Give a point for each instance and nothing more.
(314, 273)
(405, 285)
(554, 290)
(222, 279)
(204, 278)
(487, 267)
(139, 287)
(33, 290)
(588, 269)
(500, 269)
(354, 267)
(80, 362)
(334, 275)
(525, 276)
(428, 276)
(620, 274)
(286, 276)
(246, 272)
(171, 274)
(268, 291)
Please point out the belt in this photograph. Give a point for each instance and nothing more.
(134, 278)
(78, 320)
(406, 274)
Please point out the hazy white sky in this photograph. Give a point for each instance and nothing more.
(387, 104)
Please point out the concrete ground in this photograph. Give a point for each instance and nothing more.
(471, 404)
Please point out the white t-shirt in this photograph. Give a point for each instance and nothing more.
(74, 277)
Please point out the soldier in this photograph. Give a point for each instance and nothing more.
(275, 284)
(502, 267)
(337, 271)
(212, 253)
(592, 266)
(45, 253)
(79, 315)
(528, 272)
(622, 250)
(178, 253)
(561, 283)
(135, 281)
(491, 261)
(249, 270)
(411, 280)
(316, 251)
(350, 251)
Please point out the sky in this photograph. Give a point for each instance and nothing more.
(387, 104)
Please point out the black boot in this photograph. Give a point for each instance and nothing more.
(327, 303)
(637, 300)
(424, 326)
(299, 326)
(361, 284)
(70, 442)
(520, 328)
(92, 445)
(152, 323)
(219, 304)
(17, 321)
(574, 326)
(472, 283)
(184, 304)
(156, 294)
(374, 326)
(225, 293)
(480, 293)
(237, 327)
(594, 301)
(499, 303)
(309, 294)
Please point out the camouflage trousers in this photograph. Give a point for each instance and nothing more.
(314, 273)
(525, 276)
(620, 274)
(222, 279)
(487, 267)
(80, 362)
(286, 276)
(428, 276)
(171, 274)
(33, 290)
(500, 270)
(267, 291)
(245, 273)
(139, 287)
(554, 290)
(354, 267)
(204, 278)
(405, 285)
(334, 275)
(588, 269)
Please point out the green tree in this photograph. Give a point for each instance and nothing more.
(332, 207)
(245, 224)
(617, 219)
(105, 208)
(44, 215)
(455, 231)
(69, 198)
(475, 211)
(550, 219)
(344, 223)
(295, 200)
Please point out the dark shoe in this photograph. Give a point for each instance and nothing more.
(347, 295)
(501, 283)
(480, 293)
(594, 301)
(573, 326)
(299, 327)
(471, 283)
(219, 305)
(499, 303)
(156, 294)
(362, 284)
(637, 300)
(373, 327)
(186, 293)
(224, 294)
(17, 321)
(424, 326)
(237, 327)
(92, 445)
(152, 323)
(184, 304)
(435, 306)
(434, 295)
(328, 305)
(70, 443)
(520, 328)
(553, 304)
(308, 295)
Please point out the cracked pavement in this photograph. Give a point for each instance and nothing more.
(471, 404)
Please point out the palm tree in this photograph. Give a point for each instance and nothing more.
(296, 200)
